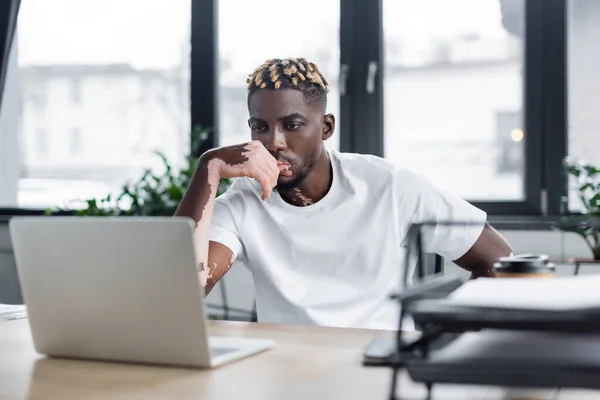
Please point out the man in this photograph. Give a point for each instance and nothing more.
(321, 231)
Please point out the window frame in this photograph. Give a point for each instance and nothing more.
(544, 103)
(544, 106)
(362, 112)
(204, 70)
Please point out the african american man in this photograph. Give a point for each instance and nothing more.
(321, 231)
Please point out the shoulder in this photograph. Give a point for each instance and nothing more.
(378, 169)
(410, 189)
(366, 166)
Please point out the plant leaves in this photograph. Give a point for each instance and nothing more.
(152, 194)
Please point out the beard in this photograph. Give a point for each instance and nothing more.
(283, 187)
(299, 177)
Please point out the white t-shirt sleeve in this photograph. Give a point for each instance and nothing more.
(434, 204)
(225, 224)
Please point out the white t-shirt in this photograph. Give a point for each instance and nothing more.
(336, 262)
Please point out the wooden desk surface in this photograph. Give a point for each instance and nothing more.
(307, 363)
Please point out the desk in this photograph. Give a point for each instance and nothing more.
(307, 363)
(578, 262)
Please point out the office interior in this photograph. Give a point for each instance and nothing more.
(492, 100)
(484, 97)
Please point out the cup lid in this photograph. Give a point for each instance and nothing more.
(524, 263)
(540, 258)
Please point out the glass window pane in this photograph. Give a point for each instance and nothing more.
(102, 85)
(453, 94)
(583, 86)
(251, 32)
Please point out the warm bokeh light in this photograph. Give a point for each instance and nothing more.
(516, 135)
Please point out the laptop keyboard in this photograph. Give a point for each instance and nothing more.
(219, 351)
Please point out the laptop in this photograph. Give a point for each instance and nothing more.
(120, 289)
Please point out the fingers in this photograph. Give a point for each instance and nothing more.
(264, 181)
(271, 178)
(270, 167)
(276, 169)
(272, 175)
(264, 168)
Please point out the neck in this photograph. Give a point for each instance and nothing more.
(314, 187)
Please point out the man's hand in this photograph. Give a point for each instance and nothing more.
(250, 159)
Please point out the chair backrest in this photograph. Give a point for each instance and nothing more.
(432, 263)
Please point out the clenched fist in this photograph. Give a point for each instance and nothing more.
(250, 159)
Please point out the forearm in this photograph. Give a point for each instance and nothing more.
(485, 253)
(198, 204)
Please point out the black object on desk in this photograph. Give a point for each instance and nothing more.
(513, 358)
(469, 344)
(455, 318)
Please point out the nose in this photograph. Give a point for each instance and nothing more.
(276, 141)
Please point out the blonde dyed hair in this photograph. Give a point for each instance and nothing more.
(290, 73)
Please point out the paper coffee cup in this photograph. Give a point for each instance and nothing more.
(524, 266)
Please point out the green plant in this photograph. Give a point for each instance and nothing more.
(587, 186)
(152, 194)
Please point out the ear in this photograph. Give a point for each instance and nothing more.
(328, 126)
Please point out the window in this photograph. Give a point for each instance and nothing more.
(80, 64)
(469, 93)
(75, 92)
(41, 142)
(453, 95)
(584, 84)
(251, 32)
(75, 142)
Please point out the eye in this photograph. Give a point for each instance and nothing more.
(258, 128)
(292, 126)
